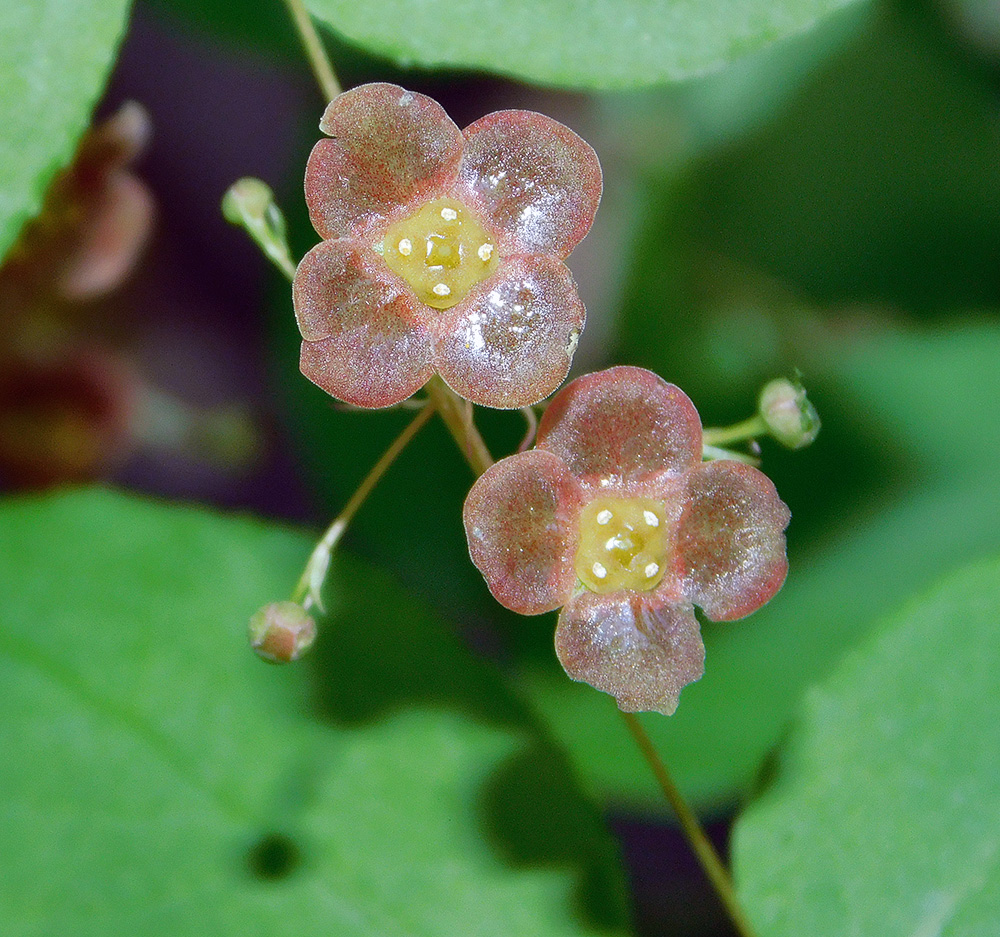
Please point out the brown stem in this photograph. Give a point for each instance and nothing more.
(458, 418)
(700, 843)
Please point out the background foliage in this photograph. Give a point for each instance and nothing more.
(827, 199)
(56, 55)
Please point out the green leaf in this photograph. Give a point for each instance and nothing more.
(923, 394)
(599, 45)
(884, 818)
(932, 389)
(56, 56)
(159, 779)
(869, 201)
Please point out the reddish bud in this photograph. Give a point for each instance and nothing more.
(281, 632)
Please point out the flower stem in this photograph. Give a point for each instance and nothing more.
(457, 416)
(308, 590)
(700, 843)
(723, 435)
(531, 418)
(318, 59)
(715, 452)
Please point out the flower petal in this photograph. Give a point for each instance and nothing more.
(112, 235)
(643, 655)
(366, 340)
(536, 181)
(520, 522)
(391, 149)
(730, 540)
(511, 342)
(621, 424)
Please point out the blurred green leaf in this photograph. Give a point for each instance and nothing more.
(925, 392)
(263, 26)
(724, 104)
(931, 389)
(599, 45)
(159, 779)
(652, 134)
(884, 818)
(879, 181)
(56, 56)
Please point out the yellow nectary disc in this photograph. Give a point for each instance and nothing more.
(622, 544)
(442, 251)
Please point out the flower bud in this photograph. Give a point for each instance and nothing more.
(790, 417)
(282, 632)
(250, 204)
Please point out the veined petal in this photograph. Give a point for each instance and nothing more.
(730, 539)
(640, 653)
(536, 182)
(511, 342)
(367, 340)
(391, 149)
(621, 425)
(520, 520)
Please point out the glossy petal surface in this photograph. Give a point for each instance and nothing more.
(730, 540)
(622, 424)
(391, 149)
(520, 520)
(366, 341)
(640, 654)
(536, 181)
(512, 341)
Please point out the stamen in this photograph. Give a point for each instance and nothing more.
(650, 518)
(604, 517)
(485, 252)
(599, 571)
(449, 214)
(406, 247)
(441, 289)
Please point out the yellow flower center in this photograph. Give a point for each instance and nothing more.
(442, 251)
(622, 544)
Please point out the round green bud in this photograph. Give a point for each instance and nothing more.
(246, 200)
(790, 417)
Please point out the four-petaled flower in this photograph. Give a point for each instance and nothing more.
(443, 251)
(615, 516)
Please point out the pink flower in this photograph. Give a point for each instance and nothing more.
(614, 516)
(443, 251)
